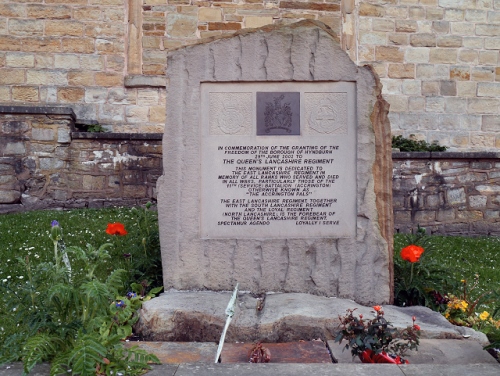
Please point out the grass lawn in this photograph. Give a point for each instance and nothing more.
(463, 258)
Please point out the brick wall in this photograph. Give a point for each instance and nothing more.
(447, 193)
(44, 164)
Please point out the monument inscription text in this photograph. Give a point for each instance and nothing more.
(278, 186)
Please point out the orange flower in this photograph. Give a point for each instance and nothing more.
(377, 308)
(116, 229)
(412, 253)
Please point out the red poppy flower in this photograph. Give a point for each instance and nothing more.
(412, 253)
(416, 327)
(116, 229)
(377, 308)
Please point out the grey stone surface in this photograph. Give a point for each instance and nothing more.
(357, 267)
(200, 316)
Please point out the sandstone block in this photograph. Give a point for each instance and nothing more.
(371, 10)
(398, 39)
(466, 88)
(80, 78)
(441, 27)
(417, 13)
(389, 53)
(448, 88)
(459, 140)
(46, 77)
(401, 70)
(483, 106)
(224, 26)
(443, 56)
(476, 15)
(449, 41)
(51, 164)
(28, 27)
(460, 73)
(433, 14)
(255, 21)
(490, 123)
(136, 114)
(11, 76)
(78, 45)
(492, 30)
(454, 14)
(10, 196)
(406, 26)
(92, 62)
(430, 88)
(455, 105)
(434, 104)
(64, 28)
(463, 28)
(8, 43)
(425, 216)
(19, 60)
(95, 95)
(182, 26)
(88, 13)
(41, 44)
(371, 37)
(483, 73)
(400, 12)
(93, 183)
(382, 24)
(42, 134)
(417, 55)
(4, 93)
(70, 94)
(157, 114)
(423, 40)
(459, 4)
(66, 61)
(108, 79)
(411, 87)
(111, 113)
(473, 42)
(325, 7)
(488, 89)
(210, 15)
(488, 57)
(497, 74)
(468, 56)
(25, 93)
(48, 12)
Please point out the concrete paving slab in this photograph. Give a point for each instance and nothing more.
(450, 369)
(16, 369)
(180, 352)
(250, 369)
(289, 352)
(431, 351)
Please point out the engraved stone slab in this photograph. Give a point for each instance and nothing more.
(216, 161)
(255, 185)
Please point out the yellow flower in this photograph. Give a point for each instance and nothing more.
(483, 316)
(447, 315)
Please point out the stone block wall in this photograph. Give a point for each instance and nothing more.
(447, 193)
(438, 62)
(45, 164)
(438, 59)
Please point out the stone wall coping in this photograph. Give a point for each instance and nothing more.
(141, 80)
(42, 110)
(447, 155)
(116, 136)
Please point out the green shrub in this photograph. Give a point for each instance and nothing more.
(410, 144)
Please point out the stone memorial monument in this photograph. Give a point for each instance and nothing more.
(277, 168)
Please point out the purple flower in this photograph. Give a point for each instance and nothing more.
(54, 223)
(131, 295)
(120, 304)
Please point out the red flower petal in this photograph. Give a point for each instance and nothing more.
(412, 253)
(116, 228)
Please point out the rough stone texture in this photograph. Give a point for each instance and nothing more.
(200, 316)
(42, 166)
(447, 193)
(357, 268)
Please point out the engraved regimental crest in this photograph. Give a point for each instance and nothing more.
(278, 113)
(230, 113)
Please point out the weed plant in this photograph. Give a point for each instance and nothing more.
(67, 295)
